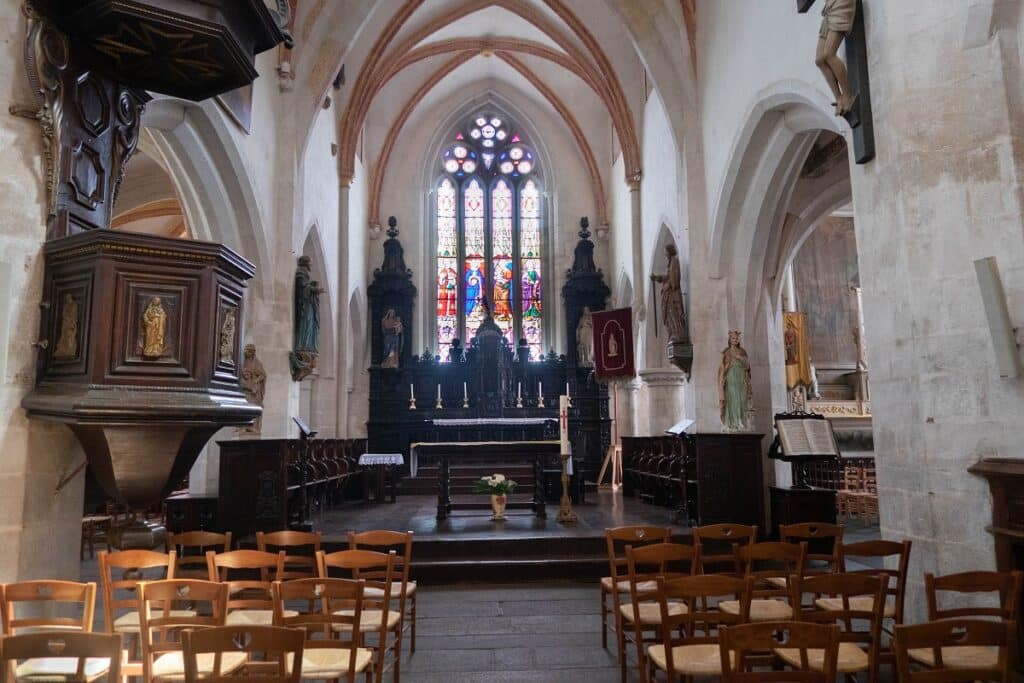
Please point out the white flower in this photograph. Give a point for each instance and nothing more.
(499, 478)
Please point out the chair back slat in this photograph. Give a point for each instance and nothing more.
(250, 592)
(823, 540)
(300, 549)
(280, 651)
(50, 596)
(617, 538)
(953, 633)
(192, 546)
(742, 644)
(63, 645)
(717, 541)
(1005, 587)
(771, 560)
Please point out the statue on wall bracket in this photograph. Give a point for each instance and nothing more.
(735, 389)
(673, 312)
(305, 348)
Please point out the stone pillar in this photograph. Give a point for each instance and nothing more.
(944, 190)
(665, 399)
(343, 345)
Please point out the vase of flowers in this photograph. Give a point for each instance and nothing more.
(498, 486)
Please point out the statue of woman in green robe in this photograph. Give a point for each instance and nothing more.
(735, 389)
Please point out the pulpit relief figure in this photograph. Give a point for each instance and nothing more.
(391, 326)
(154, 328)
(672, 311)
(585, 339)
(254, 385)
(227, 337)
(736, 392)
(67, 344)
(837, 21)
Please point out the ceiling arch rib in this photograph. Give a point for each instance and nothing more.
(377, 70)
(380, 169)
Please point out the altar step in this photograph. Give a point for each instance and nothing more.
(500, 559)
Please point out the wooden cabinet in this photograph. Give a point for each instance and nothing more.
(730, 482)
(793, 506)
(185, 512)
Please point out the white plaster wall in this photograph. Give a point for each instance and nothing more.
(36, 455)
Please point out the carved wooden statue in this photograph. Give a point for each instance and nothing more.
(585, 339)
(672, 311)
(736, 391)
(254, 384)
(836, 23)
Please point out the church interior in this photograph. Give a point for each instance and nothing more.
(512, 340)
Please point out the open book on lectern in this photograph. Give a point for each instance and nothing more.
(806, 436)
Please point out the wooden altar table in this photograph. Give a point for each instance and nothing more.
(538, 452)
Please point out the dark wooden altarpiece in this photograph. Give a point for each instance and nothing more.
(491, 372)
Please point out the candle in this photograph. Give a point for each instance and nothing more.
(519, 390)
(412, 394)
(465, 392)
(540, 389)
(567, 389)
(563, 423)
(438, 392)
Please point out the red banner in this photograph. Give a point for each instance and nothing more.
(613, 344)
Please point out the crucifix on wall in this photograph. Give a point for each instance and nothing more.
(843, 23)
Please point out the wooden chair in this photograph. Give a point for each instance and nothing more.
(191, 547)
(401, 543)
(643, 613)
(162, 658)
(279, 648)
(94, 528)
(616, 540)
(47, 596)
(1006, 587)
(765, 563)
(378, 570)
(689, 641)
(300, 549)
(860, 600)
(819, 536)
(943, 635)
(897, 584)
(742, 646)
(250, 600)
(716, 546)
(60, 656)
(337, 611)
(132, 564)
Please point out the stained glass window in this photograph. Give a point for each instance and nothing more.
(489, 221)
(447, 267)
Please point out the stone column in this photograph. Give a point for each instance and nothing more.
(343, 344)
(944, 190)
(664, 389)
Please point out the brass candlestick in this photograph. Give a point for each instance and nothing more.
(540, 401)
(438, 405)
(412, 404)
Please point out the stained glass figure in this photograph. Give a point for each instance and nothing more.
(489, 221)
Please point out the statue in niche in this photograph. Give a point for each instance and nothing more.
(254, 385)
(585, 339)
(154, 329)
(303, 358)
(672, 311)
(227, 337)
(67, 344)
(837, 21)
(394, 337)
(736, 392)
